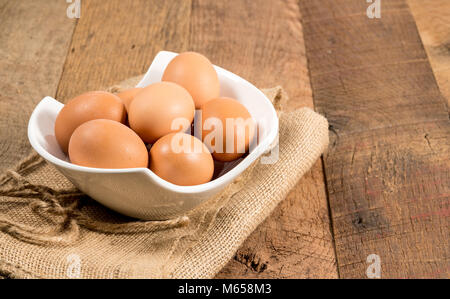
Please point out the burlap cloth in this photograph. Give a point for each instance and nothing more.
(48, 229)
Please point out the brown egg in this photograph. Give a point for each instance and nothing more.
(181, 159)
(194, 72)
(104, 143)
(86, 107)
(236, 135)
(128, 95)
(157, 110)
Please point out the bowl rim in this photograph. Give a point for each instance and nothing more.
(230, 175)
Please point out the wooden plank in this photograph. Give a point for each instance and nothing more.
(115, 40)
(263, 42)
(34, 39)
(260, 40)
(387, 168)
(433, 21)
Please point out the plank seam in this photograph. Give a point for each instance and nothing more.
(327, 195)
(65, 61)
(330, 216)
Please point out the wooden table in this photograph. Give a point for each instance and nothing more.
(382, 188)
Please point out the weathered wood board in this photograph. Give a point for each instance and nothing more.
(433, 21)
(34, 39)
(107, 50)
(387, 168)
(262, 41)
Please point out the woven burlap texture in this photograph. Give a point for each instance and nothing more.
(48, 229)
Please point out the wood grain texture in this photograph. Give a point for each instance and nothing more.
(387, 168)
(259, 40)
(34, 39)
(433, 21)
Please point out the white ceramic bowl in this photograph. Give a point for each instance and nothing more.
(138, 192)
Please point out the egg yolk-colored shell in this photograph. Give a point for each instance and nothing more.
(128, 95)
(159, 109)
(181, 159)
(236, 135)
(86, 107)
(103, 143)
(194, 72)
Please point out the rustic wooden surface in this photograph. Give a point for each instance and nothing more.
(433, 21)
(387, 169)
(34, 38)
